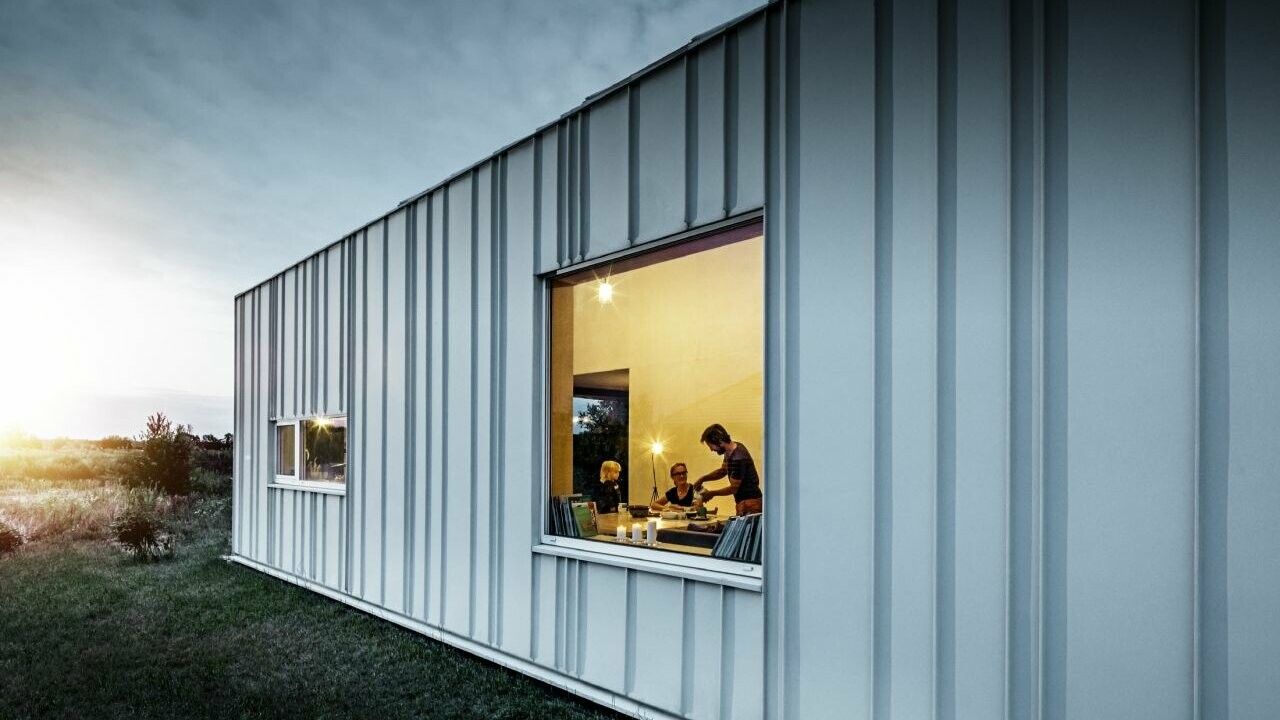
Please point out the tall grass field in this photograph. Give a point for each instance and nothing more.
(90, 630)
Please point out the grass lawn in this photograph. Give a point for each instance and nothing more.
(87, 632)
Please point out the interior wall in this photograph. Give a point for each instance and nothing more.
(691, 333)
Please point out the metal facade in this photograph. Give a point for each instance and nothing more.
(1022, 389)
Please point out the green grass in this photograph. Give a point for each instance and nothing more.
(87, 632)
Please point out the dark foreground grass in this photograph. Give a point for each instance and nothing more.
(86, 632)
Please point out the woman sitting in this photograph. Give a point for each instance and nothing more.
(683, 494)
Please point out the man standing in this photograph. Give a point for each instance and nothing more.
(738, 466)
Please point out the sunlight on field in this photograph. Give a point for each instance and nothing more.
(65, 492)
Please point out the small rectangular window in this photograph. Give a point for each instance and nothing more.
(286, 450)
(324, 450)
(657, 399)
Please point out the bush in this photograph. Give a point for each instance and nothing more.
(214, 484)
(165, 460)
(140, 530)
(10, 538)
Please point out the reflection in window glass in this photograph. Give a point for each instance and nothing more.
(324, 449)
(286, 450)
(646, 356)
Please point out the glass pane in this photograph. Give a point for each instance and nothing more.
(286, 449)
(324, 449)
(646, 356)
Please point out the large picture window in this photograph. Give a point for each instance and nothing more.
(656, 399)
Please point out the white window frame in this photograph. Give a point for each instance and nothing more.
(732, 573)
(296, 481)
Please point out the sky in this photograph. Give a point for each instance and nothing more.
(157, 158)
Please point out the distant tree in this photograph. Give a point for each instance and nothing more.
(603, 437)
(213, 454)
(165, 460)
(115, 442)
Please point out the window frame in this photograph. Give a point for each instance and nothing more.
(297, 481)
(703, 568)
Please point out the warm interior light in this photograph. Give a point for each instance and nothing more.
(322, 422)
(605, 291)
(656, 448)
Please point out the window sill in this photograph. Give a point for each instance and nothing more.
(692, 567)
(309, 487)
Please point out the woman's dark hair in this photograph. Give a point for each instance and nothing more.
(715, 433)
(678, 465)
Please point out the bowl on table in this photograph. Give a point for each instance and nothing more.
(638, 511)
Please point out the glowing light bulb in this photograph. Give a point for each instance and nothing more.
(322, 422)
(605, 291)
(656, 448)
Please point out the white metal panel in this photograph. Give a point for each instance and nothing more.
(604, 629)
(287, 349)
(421, 407)
(913, 409)
(659, 135)
(544, 600)
(335, 348)
(482, 430)
(833, 221)
(548, 200)
(458, 409)
(394, 522)
(437, 416)
(746, 164)
(608, 169)
(520, 381)
(372, 479)
(1123, 241)
(1249, 104)
(658, 603)
(331, 564)
(741, 663)
(357, 430)
(703, 649)
(973, 362)
(304, 336)
(705, 88)
(262, 435)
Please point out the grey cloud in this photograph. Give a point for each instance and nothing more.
(226, 139)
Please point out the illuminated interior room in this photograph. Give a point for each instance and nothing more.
(646, 353)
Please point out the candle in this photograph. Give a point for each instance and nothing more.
(622, 533)
(635, 533)
(653, 532)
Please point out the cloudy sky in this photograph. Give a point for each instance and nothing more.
(156, 158)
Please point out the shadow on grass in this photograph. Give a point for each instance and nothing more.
(86, 632)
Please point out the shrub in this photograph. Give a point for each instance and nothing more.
(65, 467)
(140, 530)
(10, 538)
(165, 460)
(214, 484)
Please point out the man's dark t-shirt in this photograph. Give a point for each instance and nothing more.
(742, 467)
(674, 498)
